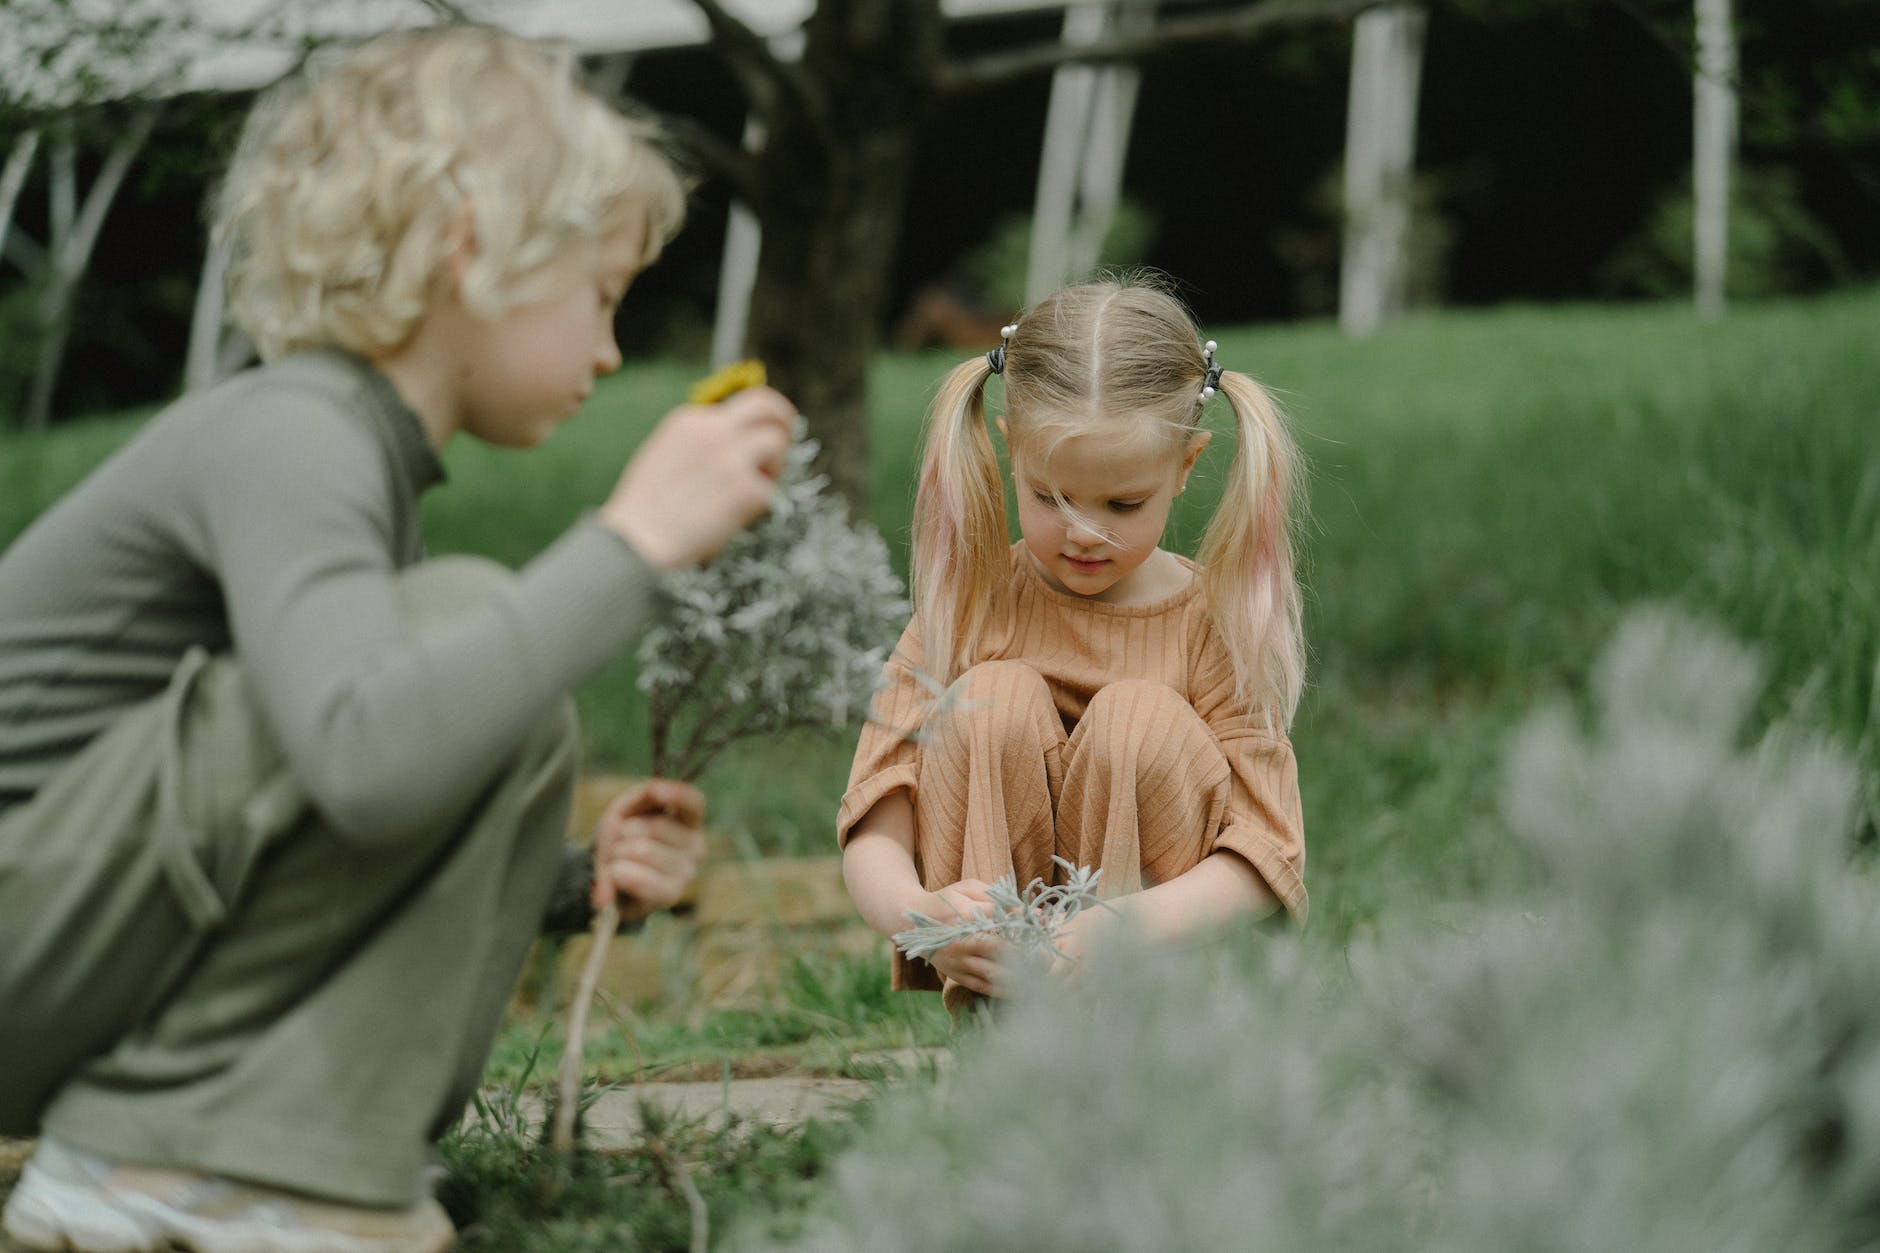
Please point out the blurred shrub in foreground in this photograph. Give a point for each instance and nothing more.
(1674, 1045)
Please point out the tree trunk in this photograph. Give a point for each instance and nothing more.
(73, 239)
(833, 182)
(1715, 148)
(1380, 167)
(13, 178)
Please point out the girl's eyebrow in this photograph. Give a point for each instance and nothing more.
(1130, 493)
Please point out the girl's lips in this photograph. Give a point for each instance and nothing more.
(1080, 563)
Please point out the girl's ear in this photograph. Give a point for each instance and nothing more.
(1196, 443)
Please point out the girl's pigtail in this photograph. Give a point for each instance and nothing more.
(1247, 555)
(959, 541)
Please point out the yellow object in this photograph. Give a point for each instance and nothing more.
(732, 379)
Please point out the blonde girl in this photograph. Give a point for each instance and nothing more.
(1103, 699)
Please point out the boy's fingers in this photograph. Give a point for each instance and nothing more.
(681, 800)
(660, 840)
(667, 858)
(659, 796)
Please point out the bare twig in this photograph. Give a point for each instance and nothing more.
(681, 1176)
(568, 1082)
(711, 154)
(1171, 35)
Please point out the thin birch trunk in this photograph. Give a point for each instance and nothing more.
(1380, 165)
(13, 179)
(202, 366)
(74, 235)
(1714, 151)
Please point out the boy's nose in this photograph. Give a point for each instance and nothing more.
(606, 352)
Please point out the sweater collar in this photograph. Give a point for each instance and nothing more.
(395, 420)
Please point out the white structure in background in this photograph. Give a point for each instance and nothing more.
(1714, 151)
(1380, 166)
(737, 267)
(1080, 172)
(1086, 136)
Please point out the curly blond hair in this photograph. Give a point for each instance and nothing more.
(339, 201)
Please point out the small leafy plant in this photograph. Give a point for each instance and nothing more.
(1031, 921)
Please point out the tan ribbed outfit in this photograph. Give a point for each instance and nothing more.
(1104, 734)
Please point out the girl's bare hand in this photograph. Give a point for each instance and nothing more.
(704, 474)
(975, 961)
(648, 846)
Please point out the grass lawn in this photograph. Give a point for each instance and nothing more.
(1489, 490)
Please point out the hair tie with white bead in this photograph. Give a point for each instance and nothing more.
(996, 358)
(1211, 380)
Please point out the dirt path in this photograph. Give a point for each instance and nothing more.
(613, 1122)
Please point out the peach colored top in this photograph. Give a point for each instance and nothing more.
(1080, 645)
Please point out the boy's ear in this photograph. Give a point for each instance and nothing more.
(460, 241)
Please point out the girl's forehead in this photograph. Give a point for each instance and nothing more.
(1101, 460)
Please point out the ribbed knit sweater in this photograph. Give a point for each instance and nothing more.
(270, 516)
(1080, 645)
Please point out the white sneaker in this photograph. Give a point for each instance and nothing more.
(70, 1201)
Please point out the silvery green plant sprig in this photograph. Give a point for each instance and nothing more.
(787, 627)
(1031, 920)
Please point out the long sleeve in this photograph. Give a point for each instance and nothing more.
(1265, 822)
(385, 729)
(886, 755)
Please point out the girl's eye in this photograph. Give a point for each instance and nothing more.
(1125, 506)
(1045, 498)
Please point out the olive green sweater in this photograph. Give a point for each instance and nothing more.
(270, 516)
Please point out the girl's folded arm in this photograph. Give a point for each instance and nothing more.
(878, 865)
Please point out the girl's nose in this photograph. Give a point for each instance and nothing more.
(1082, 532)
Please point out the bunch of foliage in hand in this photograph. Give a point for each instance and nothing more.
(1030, 921)
(787, 627)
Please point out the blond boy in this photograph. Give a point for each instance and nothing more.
(281, 803)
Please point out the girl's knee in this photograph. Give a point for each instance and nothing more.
(1003, 697)
(1008, 682)
(1147, 725)
(1129, 702)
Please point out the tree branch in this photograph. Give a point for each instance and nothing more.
(19, 164)
(767, 78)
(714, 156)
(1173, 35)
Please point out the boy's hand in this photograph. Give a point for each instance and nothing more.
(648, 846)
(704, 474)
